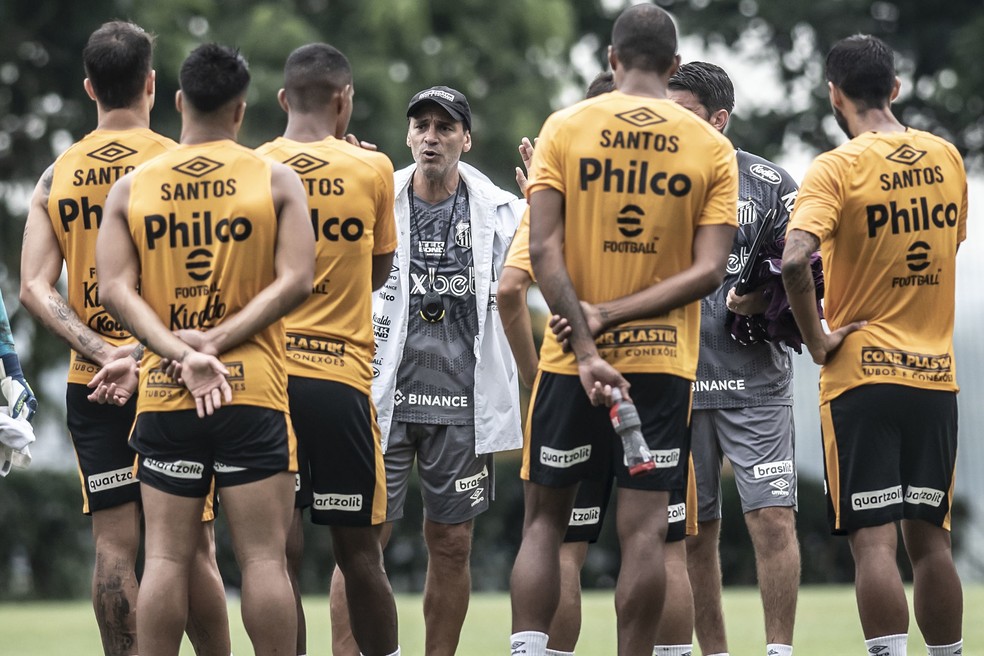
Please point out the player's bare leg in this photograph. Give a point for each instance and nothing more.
(448, 585)
(371, 607)
(937, 594)
(259, 518)
(172, 538)
(295, 556)
(116, 534)
(777, 564)
(877, 582)
(342, 641)
(676, 622)
(208, 616)
(566, 625)
(535, 582)
(704, 568)
(639, 593)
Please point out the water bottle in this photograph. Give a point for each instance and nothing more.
(625, 421)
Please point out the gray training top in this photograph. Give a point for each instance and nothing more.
(730, 375)
(436, 380)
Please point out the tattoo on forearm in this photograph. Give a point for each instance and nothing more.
(138, 352)
(799, 247)
(801, 281)
(92, 345)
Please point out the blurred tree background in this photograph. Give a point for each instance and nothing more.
(516, 60)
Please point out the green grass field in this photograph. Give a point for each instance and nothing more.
(826, 625)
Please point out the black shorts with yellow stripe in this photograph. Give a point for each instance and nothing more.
(239, 444)
(591, 505)
(341, 474)
(568, 440)
(105, 460)
(889, 454)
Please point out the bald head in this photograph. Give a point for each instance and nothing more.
(644, 38)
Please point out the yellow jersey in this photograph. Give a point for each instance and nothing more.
(81, 179)
(889, 210)
(519, 249)
(205, 228)
(639, 175)
(350, 193)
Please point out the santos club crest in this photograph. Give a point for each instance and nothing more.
(462, 235)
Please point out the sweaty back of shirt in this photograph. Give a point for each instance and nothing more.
(889, 210)
(205, 228)
(81, 179)
(350, 194)
(639, 175)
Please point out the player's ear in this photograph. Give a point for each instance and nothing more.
(89, 91)
(467, 145)
(150, 87)
(673, 67)
(895, 90)
(240, 111)
(179, 101)
(719, 119)
(282, 99)
(343, 97)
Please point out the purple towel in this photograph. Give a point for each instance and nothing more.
(776, 324)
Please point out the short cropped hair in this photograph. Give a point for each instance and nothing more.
(117, 59)
(604, 82)
(313, 74)
(709, 83)
(863, 67)
(644, 38)
(212, 75)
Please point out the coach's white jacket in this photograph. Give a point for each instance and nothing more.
(495, 214)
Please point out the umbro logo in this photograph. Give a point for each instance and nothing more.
(642, 117)
(906, 155)
(878, 649)
(196, 167)
(303, 163)
(112, 152)
(780, 484)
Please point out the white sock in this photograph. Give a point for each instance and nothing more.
(395, 653)
(890, 645)
(945, 650)
(723, 653)
(554, 652)
(528, 643)
(673, 650)
(773, 649)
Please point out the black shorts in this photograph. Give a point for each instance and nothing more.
(105, 460)
(341, 475)
(179, 452)
(591, 504)
(889, 454)
(568, 440)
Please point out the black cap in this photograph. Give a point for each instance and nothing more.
(450, 99)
